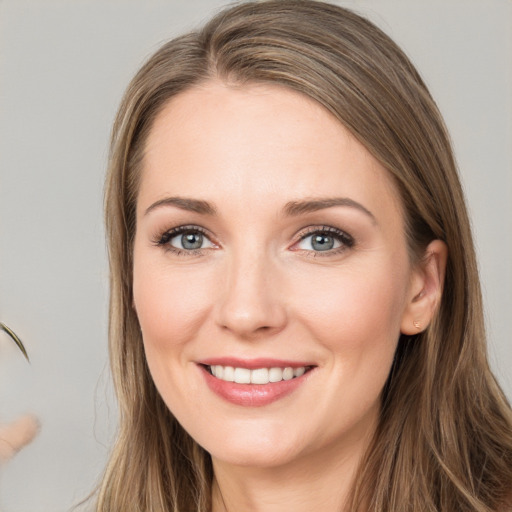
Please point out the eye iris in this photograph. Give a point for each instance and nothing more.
(192, 240)
(322, 242)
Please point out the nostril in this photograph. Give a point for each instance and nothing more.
(250, 303)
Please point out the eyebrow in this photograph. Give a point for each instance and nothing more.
(184, 203)
(294, 208)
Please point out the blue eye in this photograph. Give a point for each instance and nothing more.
(185, 239)
(324, 240)
(189, 241)
(319, 242)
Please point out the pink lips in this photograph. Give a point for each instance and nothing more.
(252, 395)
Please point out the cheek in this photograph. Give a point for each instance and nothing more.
(355, 315)
(355, 307)
(171, 304)
(360, 331)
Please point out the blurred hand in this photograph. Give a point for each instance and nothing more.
(15, 435)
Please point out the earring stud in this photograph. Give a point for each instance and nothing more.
(417, 324)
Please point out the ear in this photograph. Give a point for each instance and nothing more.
(425, 289)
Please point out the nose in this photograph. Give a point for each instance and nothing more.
(251, 301)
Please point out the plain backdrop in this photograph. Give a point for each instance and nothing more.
(63, 68)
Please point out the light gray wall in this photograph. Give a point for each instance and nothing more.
(63, 67)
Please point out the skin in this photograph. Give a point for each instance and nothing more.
(17, 434)
(257, 288)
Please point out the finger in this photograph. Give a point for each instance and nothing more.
(17, 434)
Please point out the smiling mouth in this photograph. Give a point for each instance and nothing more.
(256, 375)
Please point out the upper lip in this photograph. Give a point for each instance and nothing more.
(252, 364)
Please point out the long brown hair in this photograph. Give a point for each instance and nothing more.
(444, 441)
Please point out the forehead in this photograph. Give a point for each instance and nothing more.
(258, 143)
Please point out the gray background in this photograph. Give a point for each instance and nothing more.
(63, 68)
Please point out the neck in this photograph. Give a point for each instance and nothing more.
(320, 482)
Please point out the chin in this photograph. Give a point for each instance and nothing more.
(254, 455)
(257, 445)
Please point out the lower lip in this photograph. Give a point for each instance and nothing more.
(252, 395)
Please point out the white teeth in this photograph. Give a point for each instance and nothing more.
(297, 372)
(256, 376)
(288, 373)
(229, 374)
(242, 376)
(259, 376)
(275, 374)
(218, 371)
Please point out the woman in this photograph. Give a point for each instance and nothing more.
(296, 319)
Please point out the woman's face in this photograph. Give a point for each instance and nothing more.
(271, 274)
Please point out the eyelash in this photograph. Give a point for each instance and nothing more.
(346, 241)
(164, 239)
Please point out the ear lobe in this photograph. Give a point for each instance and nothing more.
(426, 289)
